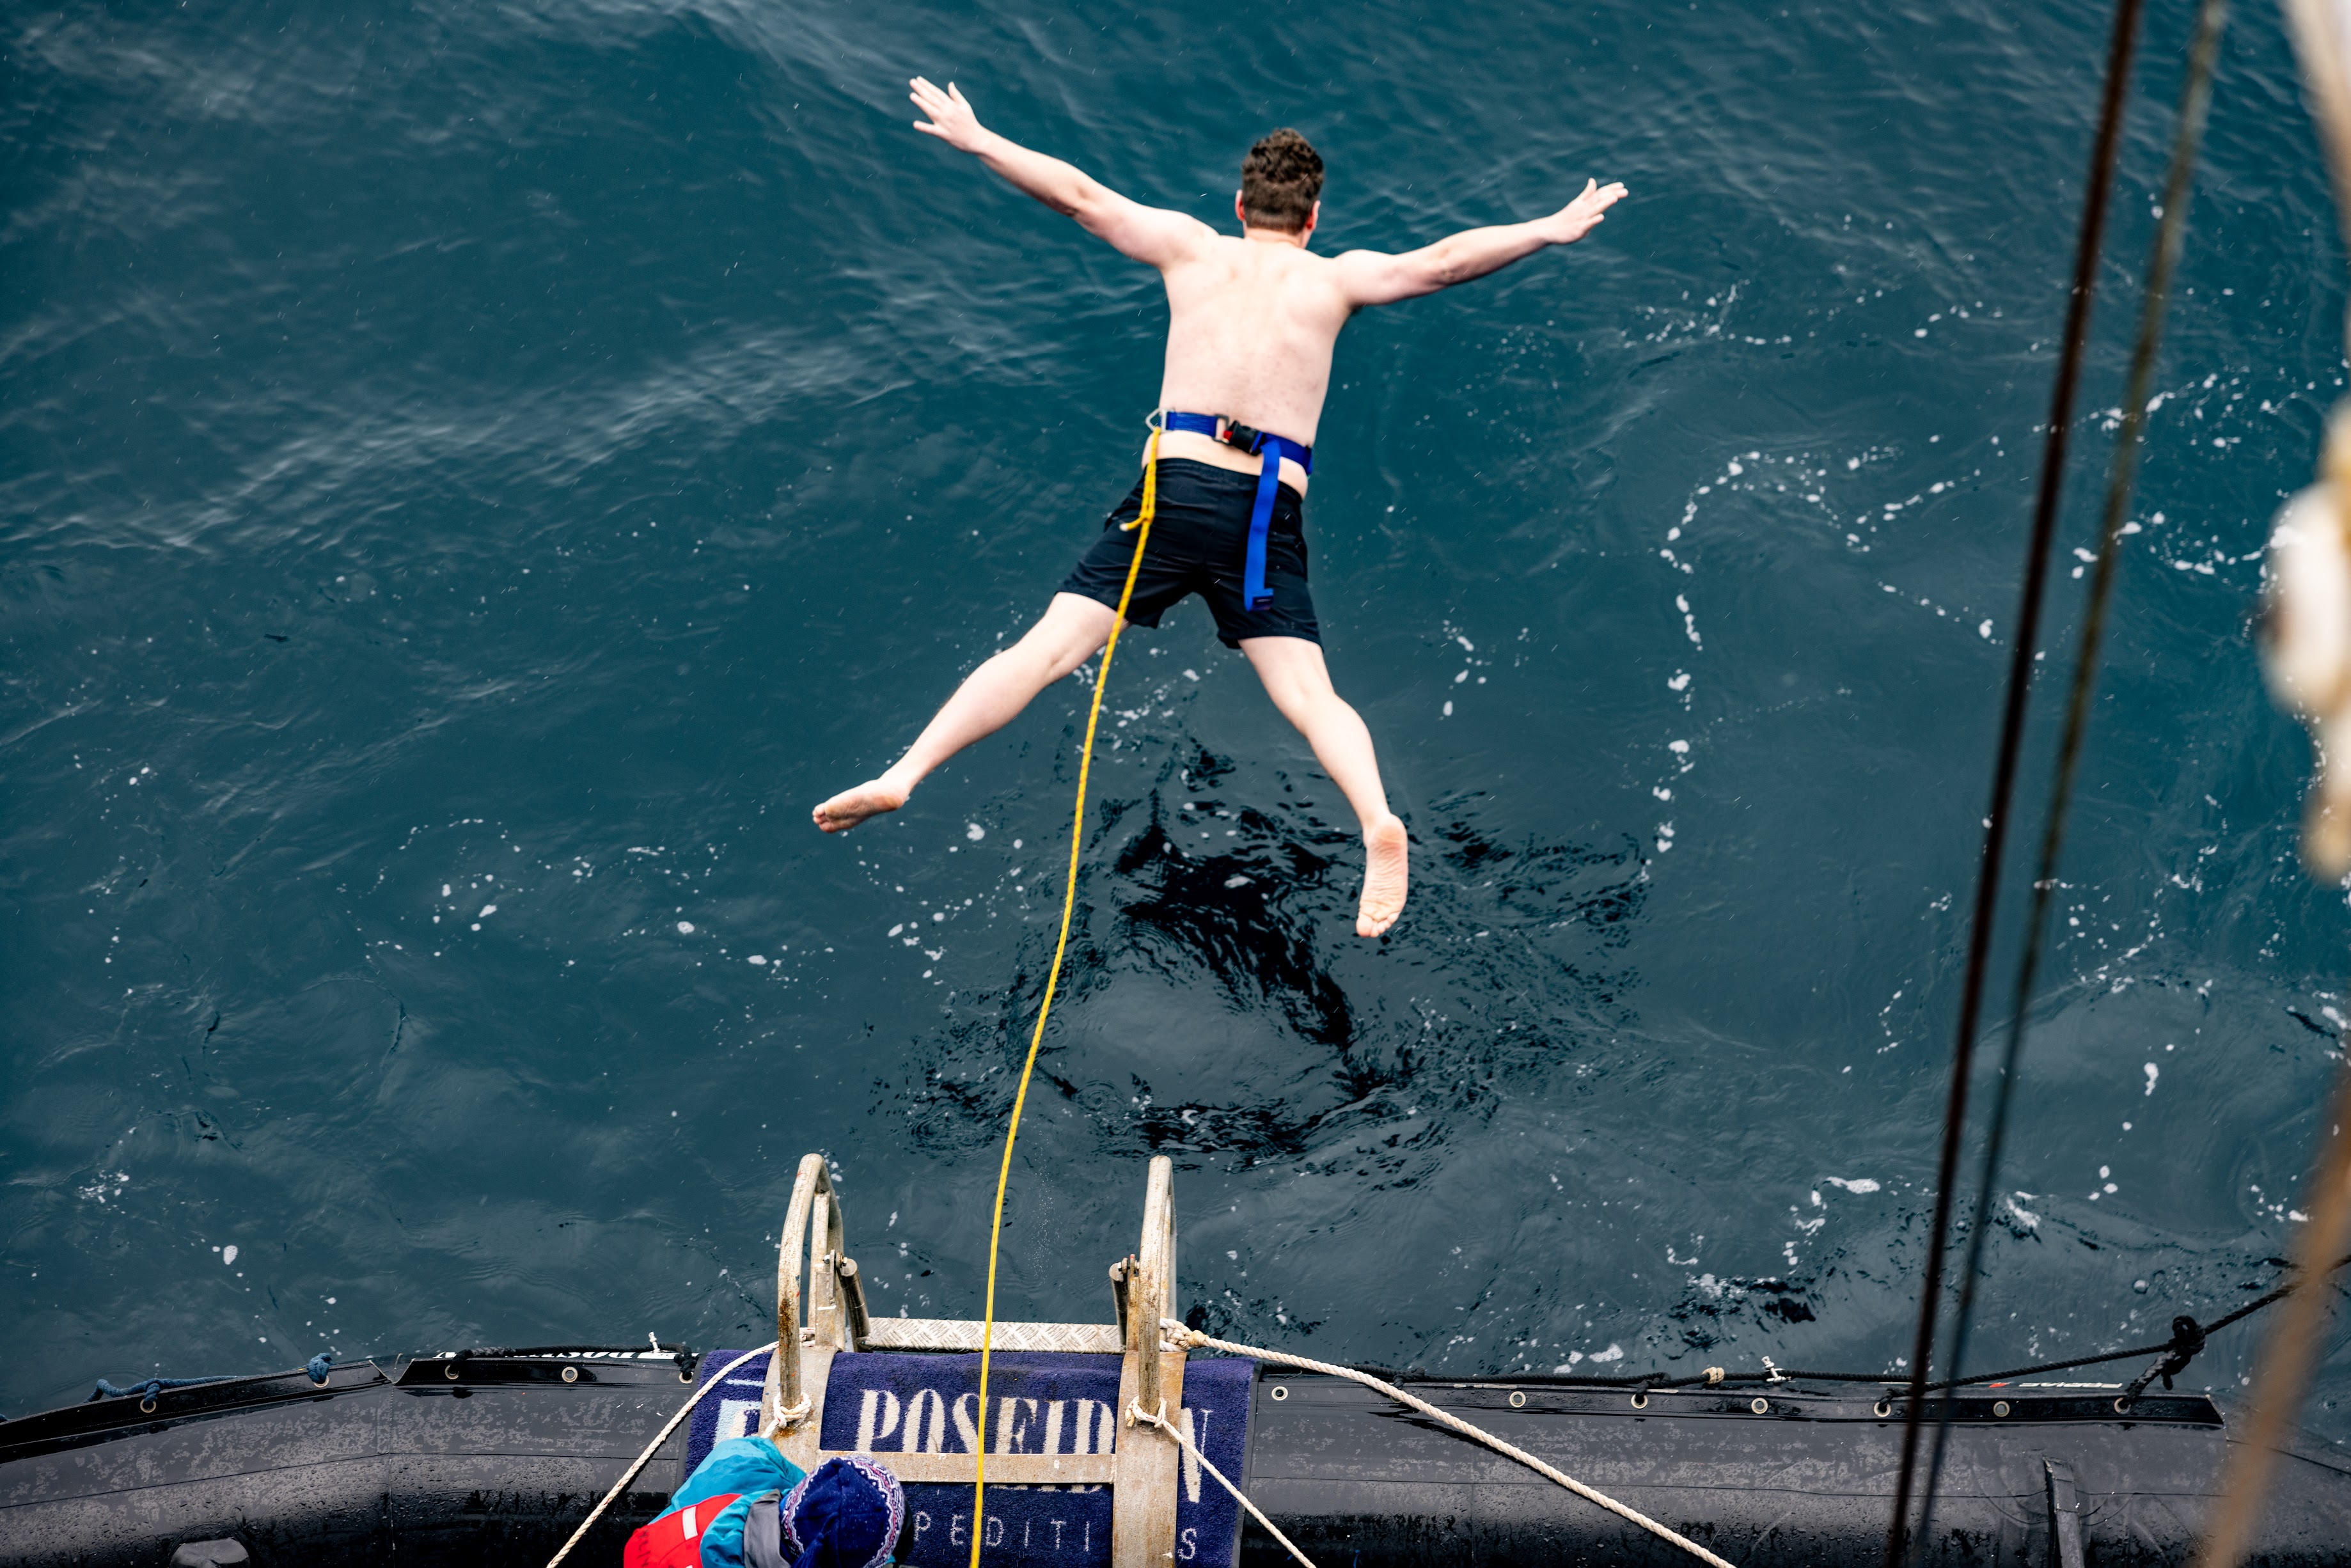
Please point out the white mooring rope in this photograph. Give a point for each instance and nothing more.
(1140, 1414)
(659, 1439)
(1192, 1339)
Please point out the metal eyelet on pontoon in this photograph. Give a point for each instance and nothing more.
(570, 1375)
(1277, 1393)
(147, 1406)
(1759, 1406)
(2000, 1407)
(2121, 1405)
(1640, 1402)
(1882, 1409)
(1518, 1400)
(450, 1372)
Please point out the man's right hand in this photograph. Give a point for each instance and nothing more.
(1582, 215)
(952, 120)
(1149, 234)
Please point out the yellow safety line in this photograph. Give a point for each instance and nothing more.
(1053, 978)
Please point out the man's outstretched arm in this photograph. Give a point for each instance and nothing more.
(1150, 235)
(1371, 278)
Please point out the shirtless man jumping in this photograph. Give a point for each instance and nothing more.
(1251, 322)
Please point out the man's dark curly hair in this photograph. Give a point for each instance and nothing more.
(1282, 179)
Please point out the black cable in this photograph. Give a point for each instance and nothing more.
(488, 1351)
(686, 1357)
(2012, 726)
(2161, 1347)
(2170, 237)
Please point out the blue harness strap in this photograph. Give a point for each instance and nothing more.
(1271, 449)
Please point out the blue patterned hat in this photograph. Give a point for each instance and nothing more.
(845, 1515)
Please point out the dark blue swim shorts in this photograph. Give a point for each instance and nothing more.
(1199, 542)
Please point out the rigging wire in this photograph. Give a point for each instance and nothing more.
(2095, 201)
(2171, 231)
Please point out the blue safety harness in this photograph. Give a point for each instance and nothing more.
(1272, 449)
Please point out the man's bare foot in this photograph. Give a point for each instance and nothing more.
(1384, 877)
(850, 806)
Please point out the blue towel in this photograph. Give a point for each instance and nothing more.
(892, 1402)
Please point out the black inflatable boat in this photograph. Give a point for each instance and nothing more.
(495, 1459)
(496, 1456)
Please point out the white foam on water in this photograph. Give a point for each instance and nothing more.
(758, 958)
(229, 1253)
(1856, 1184)
(2153, 1072)
(1614, 1352)
(685, 927)
(973, 832)
(487, 910)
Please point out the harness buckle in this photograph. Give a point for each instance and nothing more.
(1246, 438)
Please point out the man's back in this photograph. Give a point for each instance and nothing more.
(1249, 333)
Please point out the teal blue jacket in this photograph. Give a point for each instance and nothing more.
(736, 1476)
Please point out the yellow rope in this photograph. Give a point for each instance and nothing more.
(1142, 525)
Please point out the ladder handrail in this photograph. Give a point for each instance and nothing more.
(815, 1237)
(1151, 1292)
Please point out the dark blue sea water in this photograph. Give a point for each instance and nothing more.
(472, 476)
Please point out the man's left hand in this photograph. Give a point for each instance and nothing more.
(1582, 215)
